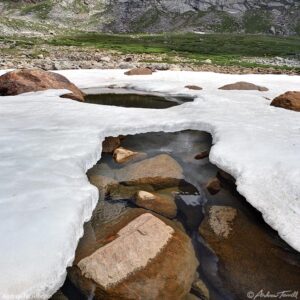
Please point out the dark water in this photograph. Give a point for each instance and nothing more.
(135, 100)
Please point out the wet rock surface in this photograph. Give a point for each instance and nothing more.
(159, 203)
(32, 80)
(288, 100)
(122, 155)
(213, 185)
(110, 144)
(242, 246)
(236, 249)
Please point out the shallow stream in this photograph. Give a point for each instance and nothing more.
(253, 259)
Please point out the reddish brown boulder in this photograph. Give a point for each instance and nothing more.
(213, 186)
(288, 100)
(110, 144)
(32, 80)
(193, 87)
(139, 71)
(242, 85)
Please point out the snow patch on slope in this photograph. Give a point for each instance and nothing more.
(48, 143)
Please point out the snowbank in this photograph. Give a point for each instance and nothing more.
(47, 144)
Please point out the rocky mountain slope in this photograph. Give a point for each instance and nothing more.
(250, 16)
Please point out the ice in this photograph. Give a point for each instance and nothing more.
(47, 144)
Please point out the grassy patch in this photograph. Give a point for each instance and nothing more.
(222, 49)
(227, 23)
(150, 17)
(188, 44)
(256, 21)
(41, 9)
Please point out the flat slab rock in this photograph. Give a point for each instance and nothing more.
(160, 171)
(137, 243)
(139, 253)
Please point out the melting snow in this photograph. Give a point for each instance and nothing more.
(48, 143)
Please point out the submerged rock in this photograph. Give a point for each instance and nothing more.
(161, 204)
(122, 155)
(213, 186)
(288, 100)
(143, 257)
(220, 220)
(59, 296)
(200, 289)
(139, 71)
(119, 191)
(110, 144)
(103, 183)
(249, 259)
(242, 85)
(202, 155)
(32, 80)
(159, 171)
(226, 180)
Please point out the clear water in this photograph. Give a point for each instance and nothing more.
(191, 200)
(119, 97)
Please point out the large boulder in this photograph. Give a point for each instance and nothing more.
(159, 203)
(242, 85)
(32, 80)
(141, 257)
(250, 258)
(288, 100)
(160, 171)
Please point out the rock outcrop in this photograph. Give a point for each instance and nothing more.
(288, 100)
(32, 80)
(274, 17)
